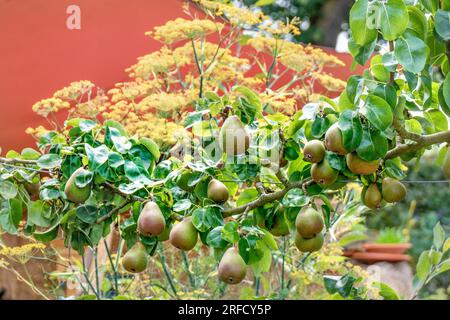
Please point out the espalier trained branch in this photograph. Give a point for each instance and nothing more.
(227, 158)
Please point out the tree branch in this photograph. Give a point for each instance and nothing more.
(264, 199)
(405, 134)
(424, 142)
(17, 161)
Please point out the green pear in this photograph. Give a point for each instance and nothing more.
(75, 193)
(280, 226)
(217, 191)
(184, 235)
(151, 221)
(233, 137)
(232, 268)
(309, 245)
(446, 165)
(393, 190)
(164, 236)
(136, 259)
(360, 166)
(334, 141)
(309, 222)
(372, 196)
(314, 151)
(323, 174)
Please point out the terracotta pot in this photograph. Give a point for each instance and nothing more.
(398, 248)
(372, 257)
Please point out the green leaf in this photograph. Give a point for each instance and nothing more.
(295, 198)
(30, 154)
(444, 266)
(207, 218)
(10, 215)
(84, 178)
(49, 161)
(445, 93)
(351, 128)
(87, 213)
(152, 146)
(8, 190)
(393, 170)
(230, 232)
(379, 71)
(423, 266)
(442, 24)
(355, 86)
(246, 196)
(136, 173)
(362, 53)
(437, 119)
(182, 205)
(411, 52)
(438, 236)
(265, 262)
(215, 240)
(430, 5)
(387, 292)
(96, 156)
(393, 18)
(378, 112)
(417, 22)
(359, 15)
(446, 245)
(87, 125)
(38, 211)
(367, 150)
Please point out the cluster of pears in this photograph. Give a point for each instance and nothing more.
(391, 191)
(309, 225)
(233, 137)
(75, 193)
(321, 171)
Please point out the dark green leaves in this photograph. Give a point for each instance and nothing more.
(49, 161)
(96, 156)
(87, 213)
(207, 218)
(442, 24)
(39, 213)
(351, 128)
(411, 52)
(374, 145)
(378, 112)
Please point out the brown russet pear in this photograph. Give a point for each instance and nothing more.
(334, 141)
(75, 193)
(446, 165)
(233, 137)
(309, 222)
(314, 151)
(280, 226)
(393, 190)
(309, 244)
(323, 174)
(360, 166)
(184, 235)
(151, 221)
(136, 259)
(232, 268)
(372, 196)
(217, 191)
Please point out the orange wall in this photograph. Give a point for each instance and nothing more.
(39, 55)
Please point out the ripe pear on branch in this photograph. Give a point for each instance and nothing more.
(232, 268)
(360, 166)
(280, 225)
(151, 221)
(184, 235)
(308, 244)
(314, 151)
(136, 259)
(371, 196)
(75, 193)
(393, 190)
(233, 137)
(323, 174)
(309, 222)
(446, 165)
(334, 141)
(217, 191)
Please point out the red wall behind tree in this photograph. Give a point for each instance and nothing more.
(39, 54)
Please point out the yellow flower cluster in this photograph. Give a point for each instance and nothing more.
(329, 82)
(22, 253)
(286, 104)
(153, 64)
(132, 90)
(47, 106)
(182, 29)
(235, 15)
(37, 132)
(165, 102)
(75, 90)
(280, 28)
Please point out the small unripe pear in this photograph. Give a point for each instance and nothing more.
(360, 166)
(233, 137)
(279, 226)
(323, 174)
(232, 268)
(75, 193)
(308, 245)
(309, 222)
(217, 191)
(151, 221)
(393, 190)
(314, 151)
(372, 196)
(184, 235)
(136, 259)
(334, 141)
